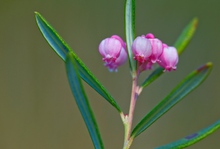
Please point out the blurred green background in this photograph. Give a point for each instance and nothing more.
(37, 110)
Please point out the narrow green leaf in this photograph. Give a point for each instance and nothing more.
(54, 40)
(180, 45)
(130, 30)
(193, 138)
(178, 93)
(186, 36)
(61, 48)
(82, 101)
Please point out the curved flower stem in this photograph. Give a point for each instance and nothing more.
(129, 118)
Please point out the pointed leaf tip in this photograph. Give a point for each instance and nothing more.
(196, 21)
(193, 138)
(62, 49)
(206, 66)
(186, 35)
(187, 85)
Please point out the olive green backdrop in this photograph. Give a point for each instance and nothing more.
(37, 110)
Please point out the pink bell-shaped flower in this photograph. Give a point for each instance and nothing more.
(157, 48)
(141, 49)
(114, 52)
(169, 58)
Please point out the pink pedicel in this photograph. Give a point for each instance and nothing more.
(157, 47)
(169, 58)
(141, 49)
(114, 52)
(145, 66)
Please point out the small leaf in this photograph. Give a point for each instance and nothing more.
(61, 48)
(82, 101)
(130, 30)
(193, 138)
(179, 92)
(186, 36)
(180, 45)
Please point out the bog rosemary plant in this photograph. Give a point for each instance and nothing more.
(142, 52)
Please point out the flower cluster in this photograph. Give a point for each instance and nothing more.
(146, 49)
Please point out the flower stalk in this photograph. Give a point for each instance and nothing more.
(129, 118)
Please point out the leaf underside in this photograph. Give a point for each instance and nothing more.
(82, 100)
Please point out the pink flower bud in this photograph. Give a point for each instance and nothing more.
(141, 49)
(150, 36)
(157, 48)
(169, 58)
(114, 52)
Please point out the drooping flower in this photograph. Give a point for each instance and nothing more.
(157, 48)
(169, 58)
(114, 52)
(141, 49)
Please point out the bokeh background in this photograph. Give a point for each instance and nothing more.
(37, 110)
